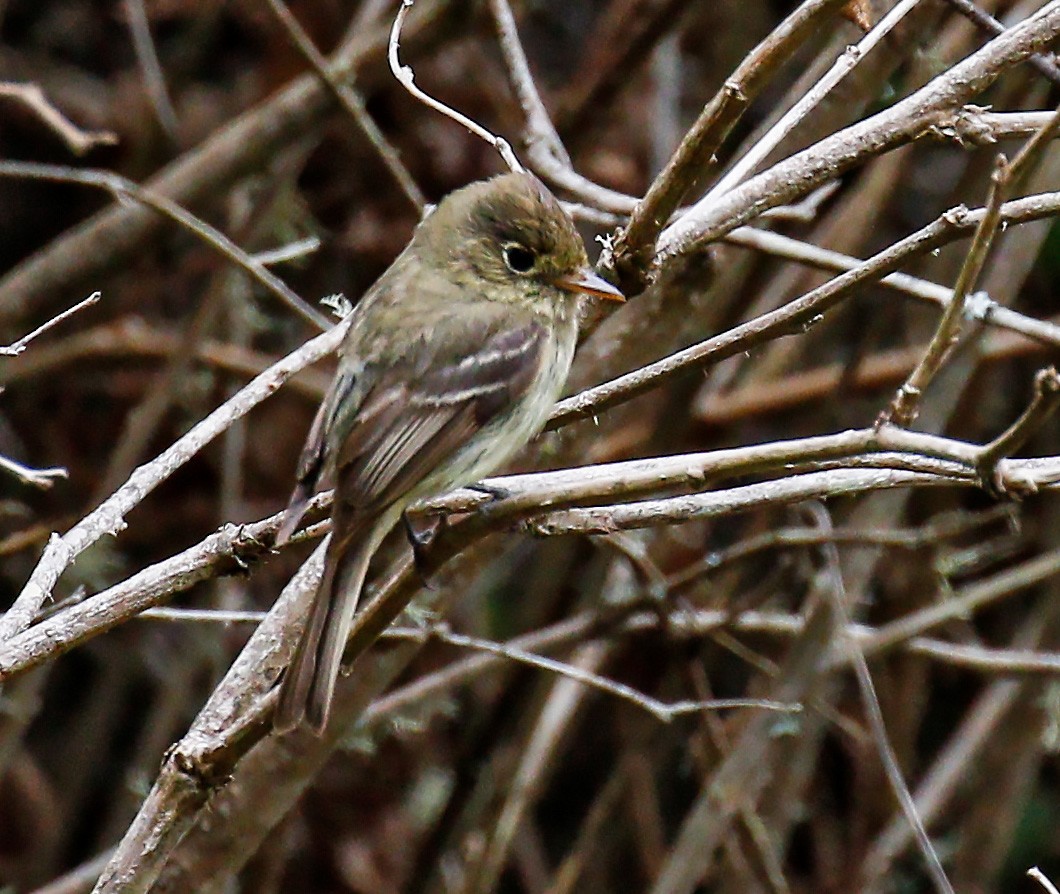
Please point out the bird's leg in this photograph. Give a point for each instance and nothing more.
(420, 541)
(494, 492)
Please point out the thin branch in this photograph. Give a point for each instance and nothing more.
(350, 100)
(905, 405)
(845, 64)
(979, 305)
(696, 151)
(540, 132)
(123, 189)
(1042, 879)
(292, 251)
(1043, 404)
(666, 712)
(1045, 65)
(109, 516)
(871, 703)
(1004, 180)
(151, 68)
(405, 77)
(544, 146)
(16, 348)
(42, 478)
(794, 315)
(77, 140)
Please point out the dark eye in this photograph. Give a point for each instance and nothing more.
(519, 258)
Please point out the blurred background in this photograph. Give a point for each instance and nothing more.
(423, 800)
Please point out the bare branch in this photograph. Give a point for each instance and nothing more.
(1044, 403)
(124, 190)
(351, 101)
(796, 314)
(1003, 182)
(77, 140)
(109, 517)
(899, 124)
(151, 68)
(871, 703)
(405, 77)
(42, 478)
(16, 348)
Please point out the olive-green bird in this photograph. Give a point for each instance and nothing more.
(452, 362)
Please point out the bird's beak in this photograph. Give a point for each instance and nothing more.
(588, 283)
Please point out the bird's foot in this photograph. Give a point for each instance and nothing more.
(420, 540)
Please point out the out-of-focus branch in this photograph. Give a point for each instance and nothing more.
(110, 238)
(124, 190)
(77, 140)
(350, 100)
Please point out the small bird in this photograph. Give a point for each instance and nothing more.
(452, 362)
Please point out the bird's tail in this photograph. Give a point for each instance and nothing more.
(309, 683)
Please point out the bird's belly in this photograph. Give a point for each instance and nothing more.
(491, 447)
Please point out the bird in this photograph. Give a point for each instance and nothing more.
(451, 363)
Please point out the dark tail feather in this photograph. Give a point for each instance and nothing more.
(292, 515)
(308, 685)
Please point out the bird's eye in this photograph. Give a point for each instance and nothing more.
(518, 258)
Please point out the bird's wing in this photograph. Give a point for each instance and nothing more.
(414, 417)
(311, 461)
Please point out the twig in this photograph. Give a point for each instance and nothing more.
(871, 703)
(123, 189)
(292, 251)
(16, 348)
(151, 68)
(1004, 180)
(77, 140)
(660, 710)
(130, 338)
(405, 77)
(979, 305)
(846, 63)
(540, 132)
(350, 100)
(1045, 65)
(705, 137)
(827, 159)
(905, 404)
(1040, 877)
(1043, 404)
(793, 315)
(42, 478)
(109, 516)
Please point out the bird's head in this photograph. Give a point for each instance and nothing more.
(512, 232)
